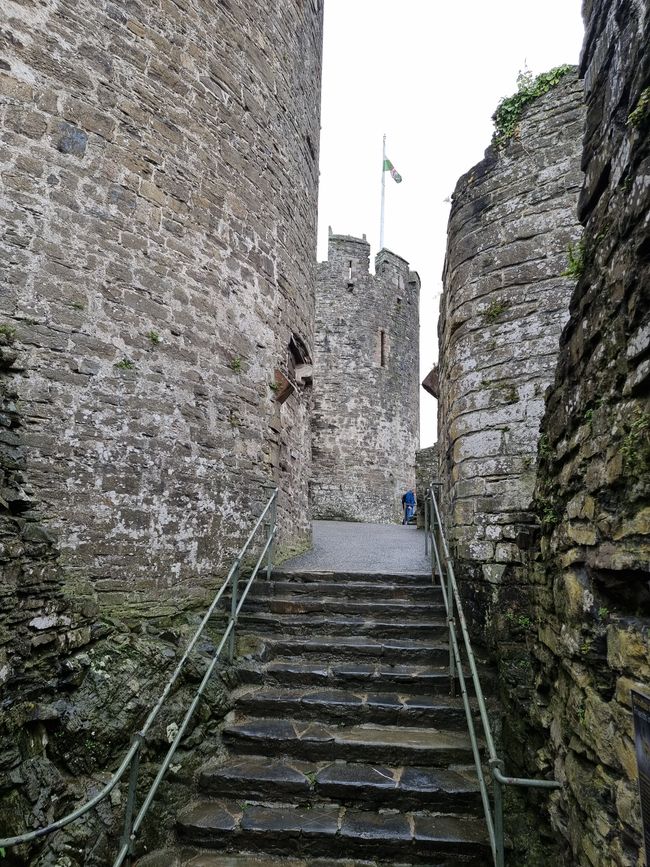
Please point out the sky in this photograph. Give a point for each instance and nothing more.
(429, 74)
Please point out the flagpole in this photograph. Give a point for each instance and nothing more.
(383, 196)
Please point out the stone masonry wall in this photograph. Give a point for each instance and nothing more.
(158, 171)
(503, 307)
(366, 389)
(590, 590)
(159, 192)
(427, 470)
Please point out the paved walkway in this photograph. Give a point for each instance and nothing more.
(346, 546)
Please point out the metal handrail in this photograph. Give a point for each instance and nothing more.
(435, 545)
(132, 758)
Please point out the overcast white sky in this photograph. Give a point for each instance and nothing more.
(429, 74)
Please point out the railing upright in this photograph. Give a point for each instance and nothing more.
(233, 610)
(128, 837)
(454, 607)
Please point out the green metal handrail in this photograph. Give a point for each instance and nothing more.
(435, 545)
(131, 760)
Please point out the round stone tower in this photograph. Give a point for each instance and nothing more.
(366, 383)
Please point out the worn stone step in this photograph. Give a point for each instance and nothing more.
(314, 741)
(400, 609)
(378, 579)
(359, 648)
(257, 778)
(333, 831)
(358, 706)
(191, 856)
(368, 590)
(377, 676)
(263, 623)
(176, 858)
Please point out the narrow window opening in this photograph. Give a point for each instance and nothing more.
(350, 270)
(382, 348)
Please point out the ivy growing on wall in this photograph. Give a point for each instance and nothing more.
(509, 111)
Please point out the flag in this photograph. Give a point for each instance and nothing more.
(395, 175)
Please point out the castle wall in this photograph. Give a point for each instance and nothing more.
(551, 525)
(503, 307)
(159, 167)
(157, 263)
(591, 597)
(366, 390)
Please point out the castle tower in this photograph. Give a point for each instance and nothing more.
(366, 384)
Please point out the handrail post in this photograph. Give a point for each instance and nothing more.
(451, 620)
(233, 611)
(498, 814)
(128, 838)
(270, 534)
(426, 525)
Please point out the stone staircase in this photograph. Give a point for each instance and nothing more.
(345, 747)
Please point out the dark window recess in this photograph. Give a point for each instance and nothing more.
(382, 348)
(299, 366)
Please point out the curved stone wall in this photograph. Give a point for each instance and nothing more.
(504, 304)
(160, 169)
(366, 384)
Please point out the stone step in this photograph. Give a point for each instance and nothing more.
(359, 648)
(349, 590)
(314, 741)
(377, 676)
(399, 610)
(258, 778)
(358, 706)
(263, 623)
(333, 831)
(376, 578)
(191, 857)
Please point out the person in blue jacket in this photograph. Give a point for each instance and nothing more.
(408, 506)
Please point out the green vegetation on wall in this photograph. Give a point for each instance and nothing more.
(509, 111)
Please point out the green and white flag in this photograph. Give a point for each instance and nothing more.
(395, 175)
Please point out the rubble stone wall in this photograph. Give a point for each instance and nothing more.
(366, 391)
(590, 638)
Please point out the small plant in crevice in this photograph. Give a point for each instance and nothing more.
(603, 612)
(495, 310)
(8, 332)
(642, 110)
(125, 364)
(635, 447)
(576, 261)
(235, 364)
(154, 337)
(274, 386)
(545, 449)
(547, 513)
